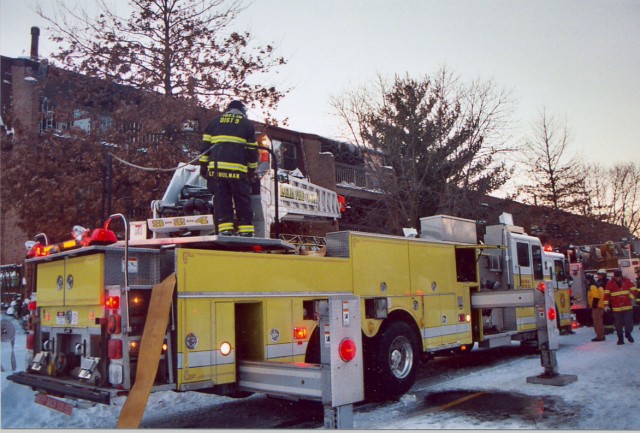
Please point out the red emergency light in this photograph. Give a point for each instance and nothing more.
(81, 238)
(548, 248)
(101, 237)
(551, 314)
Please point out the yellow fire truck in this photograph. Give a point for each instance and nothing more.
(234, 307)
(556, 270)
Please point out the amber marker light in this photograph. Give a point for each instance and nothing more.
(300, 333)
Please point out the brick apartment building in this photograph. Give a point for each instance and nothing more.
(33, 96)
(31, 110)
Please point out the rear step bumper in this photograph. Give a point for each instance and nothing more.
(61, 388)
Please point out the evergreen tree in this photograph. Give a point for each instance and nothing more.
(441, 138)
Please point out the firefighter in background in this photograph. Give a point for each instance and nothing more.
(601, 282)
(619, 295)
(596, 302)
(609, 254)
(228, 167)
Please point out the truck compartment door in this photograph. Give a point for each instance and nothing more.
(224, 342)
(84, 280)
(50, 285)
(195, 342)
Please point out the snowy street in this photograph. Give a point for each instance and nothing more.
(480, 390)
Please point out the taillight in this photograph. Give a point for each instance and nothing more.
(300, 333)
(31, 338)
(347, 350)
(115, 349)
(114, 324)
(112, 302)
(541, 287)
(31, 306)
(551, 314)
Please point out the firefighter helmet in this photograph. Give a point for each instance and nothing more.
(238, 105)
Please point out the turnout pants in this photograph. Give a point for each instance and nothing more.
(623, 320)
(598, 323)
(228, 193)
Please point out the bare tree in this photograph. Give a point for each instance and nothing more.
(623, 196)
(181, 48)
(442, 137)
(598, 188)
(553, 177)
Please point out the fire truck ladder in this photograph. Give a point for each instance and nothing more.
(297, 198)
(301, 197)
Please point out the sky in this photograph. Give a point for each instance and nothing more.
(577, 59)
(604, 397)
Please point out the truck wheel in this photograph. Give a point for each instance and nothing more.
(313, 348)
(392, 362)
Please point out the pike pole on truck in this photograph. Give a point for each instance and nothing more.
(233, 316)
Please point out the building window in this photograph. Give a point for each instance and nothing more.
(47, 114)
(287, 154)
(106, 122)
(190, 125)
(82, 120)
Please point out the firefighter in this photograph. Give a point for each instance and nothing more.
(607, 318)
(619, 295)
(228, 167)
(596, 302)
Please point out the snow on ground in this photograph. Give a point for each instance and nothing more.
(606, 395)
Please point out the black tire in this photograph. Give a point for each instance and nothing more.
(391, 361)
(313, 348)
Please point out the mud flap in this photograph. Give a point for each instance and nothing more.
(149, 355)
